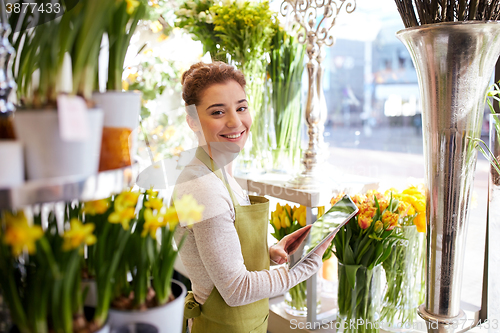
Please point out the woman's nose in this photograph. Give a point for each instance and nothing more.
(233, 120)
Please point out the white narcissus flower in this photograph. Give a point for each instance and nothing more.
(191, 4)
(209, 18)
(202, 16)
(182, 12)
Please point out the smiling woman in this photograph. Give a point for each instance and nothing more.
(226, 255)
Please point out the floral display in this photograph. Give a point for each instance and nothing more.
(31, 257)
(404, 268)
(238, 32)
(285, 73)
(361, 246)
(149, 252)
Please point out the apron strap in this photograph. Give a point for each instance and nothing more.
(202, 155)
(191, 309)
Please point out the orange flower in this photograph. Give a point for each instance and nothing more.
(390, 220)
(383, 204)
(337, 198)
(364, 221)
(367, 209)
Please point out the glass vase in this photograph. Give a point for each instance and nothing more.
(405, 287)
(256, 153)
(296, 299)
(359, 306)
(494, 223)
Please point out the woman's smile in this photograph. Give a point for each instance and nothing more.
(224, 116)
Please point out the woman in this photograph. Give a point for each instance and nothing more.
(226, 255)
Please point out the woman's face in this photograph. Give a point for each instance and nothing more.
(224, 115)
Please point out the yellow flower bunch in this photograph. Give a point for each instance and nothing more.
(286, 220)
(78, 234)
(96, 207)
(124, 208)
(411, 206)
(19, 235)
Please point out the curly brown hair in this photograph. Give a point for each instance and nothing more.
(200, 76)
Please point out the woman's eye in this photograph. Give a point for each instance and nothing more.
(216, 113)
(243, 108)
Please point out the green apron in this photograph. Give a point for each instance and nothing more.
(251, 225)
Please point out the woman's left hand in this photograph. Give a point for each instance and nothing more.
(288, 245)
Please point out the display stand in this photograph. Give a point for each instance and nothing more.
(276, 185)
(94, 187)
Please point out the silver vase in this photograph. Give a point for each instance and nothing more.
(454, 63)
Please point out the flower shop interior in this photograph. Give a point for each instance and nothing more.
(349, 101)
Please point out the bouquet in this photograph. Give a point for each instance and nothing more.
(404, 268)
(361, 246)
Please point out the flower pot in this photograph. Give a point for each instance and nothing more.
(359, 307)
(167, 318)
(12, 167)
(121, 118)
(405, 287)
(47, 155)
(454, 63)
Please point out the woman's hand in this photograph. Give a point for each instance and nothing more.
(288, 245)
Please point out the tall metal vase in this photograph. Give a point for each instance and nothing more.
(454, 63)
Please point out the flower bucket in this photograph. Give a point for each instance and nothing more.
(121, 118)
(11, 167)
(166, 318)
(47, 155)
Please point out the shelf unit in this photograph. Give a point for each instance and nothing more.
(94, 187)
(277, 186)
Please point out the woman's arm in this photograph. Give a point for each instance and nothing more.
(220, 251)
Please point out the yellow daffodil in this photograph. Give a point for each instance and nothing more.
(96, 207)
(78, 234)
(126, 200)
(152, 193)
(132, 5)
(19, 235)
(154, 203)
(152, 223)
(124, 216)
(188, 210)
(125, 85)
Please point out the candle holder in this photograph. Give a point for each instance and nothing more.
(317, 18)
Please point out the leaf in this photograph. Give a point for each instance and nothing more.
(351, 274)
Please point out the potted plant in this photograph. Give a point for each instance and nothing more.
(31, 257)
(121, 109)
(55, 147)
(151, 296)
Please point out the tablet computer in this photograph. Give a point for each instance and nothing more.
(327, 225)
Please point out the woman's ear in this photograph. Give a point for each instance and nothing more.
(194, 124)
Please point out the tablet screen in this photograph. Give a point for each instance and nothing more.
(326, 225)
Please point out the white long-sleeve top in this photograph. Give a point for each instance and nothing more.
(211, 252)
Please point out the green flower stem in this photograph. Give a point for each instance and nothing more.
(404, 275)
(358, 305)
(298, 297)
